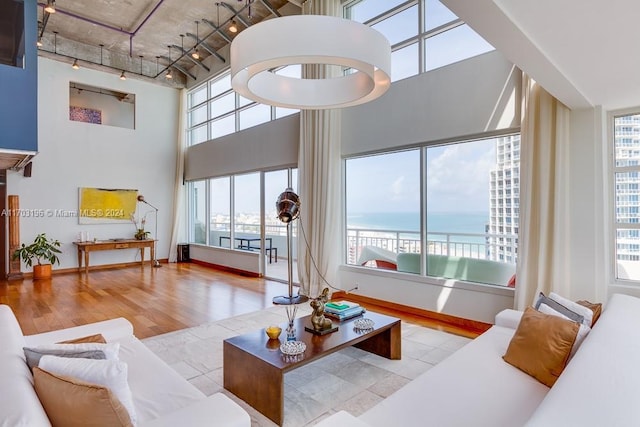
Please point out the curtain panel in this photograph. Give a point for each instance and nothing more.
(319, 180)
(179, 197)
(543, 239)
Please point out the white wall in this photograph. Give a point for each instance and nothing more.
(464, 99)
(75, 154)
(239, 260)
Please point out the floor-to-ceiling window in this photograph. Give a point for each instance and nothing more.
(220, 211)
(226, 212)
(446, 211)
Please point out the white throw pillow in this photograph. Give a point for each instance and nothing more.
(109, 373)
(110, 349)
(575, 307)
(582, 332)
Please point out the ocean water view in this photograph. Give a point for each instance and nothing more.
(437, 222)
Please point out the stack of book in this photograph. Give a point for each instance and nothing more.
(343, 310)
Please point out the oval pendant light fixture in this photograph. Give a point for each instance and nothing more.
(310, 39)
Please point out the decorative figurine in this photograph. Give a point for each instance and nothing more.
(321, 325)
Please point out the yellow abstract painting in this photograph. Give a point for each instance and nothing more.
(105, 205)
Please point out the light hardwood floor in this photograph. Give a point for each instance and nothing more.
(154, 300)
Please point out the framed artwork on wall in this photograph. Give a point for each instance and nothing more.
(106, 205)
(86, 115)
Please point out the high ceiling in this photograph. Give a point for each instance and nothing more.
(582, 51)
(128, 29)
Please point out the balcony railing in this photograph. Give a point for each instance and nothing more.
(467, 245)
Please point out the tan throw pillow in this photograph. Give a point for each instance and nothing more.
(91, 338)
(541, 345)
(73, 403)
(595, 307)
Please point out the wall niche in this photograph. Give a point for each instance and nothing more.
(101, 106)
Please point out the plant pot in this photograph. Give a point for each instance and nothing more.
(42, 271)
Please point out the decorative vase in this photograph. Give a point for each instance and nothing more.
(291, 316)
(141, 234)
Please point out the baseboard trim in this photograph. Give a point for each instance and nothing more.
(244, 273)
(473, 326)
(29, 275)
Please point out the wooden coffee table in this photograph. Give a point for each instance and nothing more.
(254, 367)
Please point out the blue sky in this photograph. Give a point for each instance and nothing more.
(457, 180)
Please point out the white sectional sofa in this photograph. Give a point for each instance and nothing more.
(600, 386)
(160, 395)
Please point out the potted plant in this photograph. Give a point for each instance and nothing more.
(42, 249)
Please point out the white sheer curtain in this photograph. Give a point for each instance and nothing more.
(544, 190)
(178, 187)
(319, 180)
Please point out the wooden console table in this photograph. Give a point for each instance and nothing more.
(109, 245)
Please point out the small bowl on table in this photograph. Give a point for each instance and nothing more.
(273, 332)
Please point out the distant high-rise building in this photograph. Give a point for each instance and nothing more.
(502, 240)
(627, 193)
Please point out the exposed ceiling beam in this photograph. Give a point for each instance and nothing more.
(217, 30)
(270, 8)
(185, 53)
(179, 68)
(206, 47)
(236, 14)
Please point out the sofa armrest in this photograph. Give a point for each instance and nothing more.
(342, 419)
(111, 330)
(508, 318)
(215, 410)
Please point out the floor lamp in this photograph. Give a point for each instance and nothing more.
(156, 263)
(288, 208)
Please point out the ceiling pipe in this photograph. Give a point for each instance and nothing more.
(144, 21)
(107, 26)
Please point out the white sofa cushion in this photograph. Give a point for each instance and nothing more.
(215, 410)
(601, 384)
(157, 389)
(23, 408)
(473, 386)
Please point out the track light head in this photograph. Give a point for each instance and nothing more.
(169, 76)
(75, 65)
(50, 7)
(123, 76)
(233, 27)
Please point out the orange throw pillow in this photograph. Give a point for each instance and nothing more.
(541, 345)
(91, 338)
(595, 307)
(70, 402)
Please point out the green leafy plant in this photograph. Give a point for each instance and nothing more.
(41, 249)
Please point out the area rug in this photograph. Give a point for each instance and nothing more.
(351, 379)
